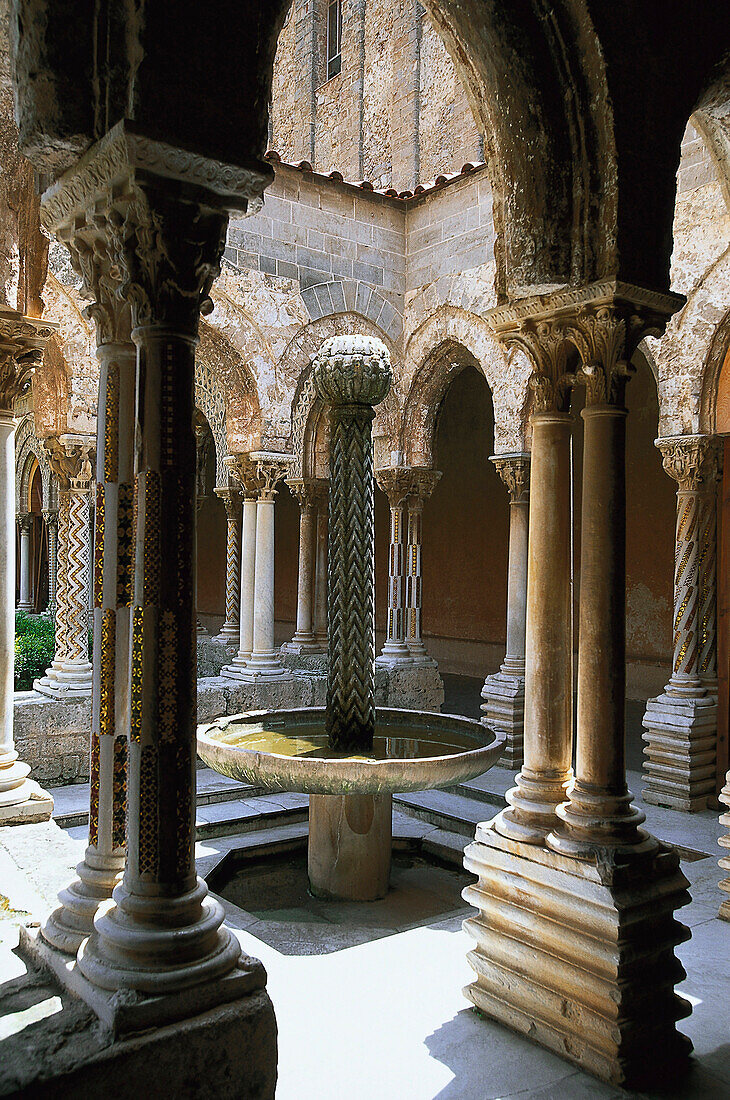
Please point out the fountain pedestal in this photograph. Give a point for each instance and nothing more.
(350, 841)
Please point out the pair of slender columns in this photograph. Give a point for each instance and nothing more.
(681, 724)
(70, 675)
(504, 692)
(257, 659)
(311, 631)
(407, 489)
(25, 602)
(22, 340)
(138, 242)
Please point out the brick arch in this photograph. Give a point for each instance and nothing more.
(427, 375)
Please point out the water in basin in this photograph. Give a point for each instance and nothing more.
(391, 742)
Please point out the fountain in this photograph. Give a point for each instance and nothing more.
(349, 757)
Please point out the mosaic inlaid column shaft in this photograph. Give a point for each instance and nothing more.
(351, 374)
(103, 861)
(51, 521)
(422, 485)
(231, 629)
(395, 651)
(163, 933)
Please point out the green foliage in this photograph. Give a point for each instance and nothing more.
(34, 642)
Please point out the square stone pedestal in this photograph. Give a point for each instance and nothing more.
(579, 956)
(38, 806)
(503, 711)
(214, 1039)
(680, 751)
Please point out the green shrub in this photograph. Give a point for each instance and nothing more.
(34, 644)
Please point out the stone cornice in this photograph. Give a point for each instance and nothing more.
(125, 154)
(565, 302)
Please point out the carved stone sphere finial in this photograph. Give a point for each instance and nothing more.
(352, 370)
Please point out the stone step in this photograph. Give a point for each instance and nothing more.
(252, 814)
(448, 810)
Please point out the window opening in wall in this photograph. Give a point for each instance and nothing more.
(334, 38)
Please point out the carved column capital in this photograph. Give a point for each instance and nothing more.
(231, 498)
(22, 340)
(305, 490)
(51, 519)
(583, 334)
(407, 484)
(25, 520)
(270, 468)
(514, 470)
(72, 459)
(692, 460)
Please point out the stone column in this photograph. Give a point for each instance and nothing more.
(585, 918)
(25, 521)
(231, 629)
(70, 675)
(114, 534)
(265, 661)
(423, 483)
(724, 842)
(162, 935)
(320, 583)
(21, 349)
(395, 484)
(681, 724)
(242, 471)
(51, 521)
(548, 729)
(304, 640)
(504, 691)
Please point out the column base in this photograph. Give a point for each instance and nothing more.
(579, 955)
(24, 605)
(65, 681)
(149, 1043)
(259, 666)
(350, 842)
(303, 643)
(680, 751)
(24, 804)
(393, 655)
(69, 925)
(504, 712)
(236, 667)
(230, 634)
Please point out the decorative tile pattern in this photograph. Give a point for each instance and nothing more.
(94, 792)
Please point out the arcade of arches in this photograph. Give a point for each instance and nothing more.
(552, 492)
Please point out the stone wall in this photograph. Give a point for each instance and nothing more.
(396, 114)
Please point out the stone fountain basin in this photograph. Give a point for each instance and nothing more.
(286, 750)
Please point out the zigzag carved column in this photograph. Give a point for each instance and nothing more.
(585, 918)
(165, 216)
(504, 692)
(51, 521)
(22, 340)
(70, 675)
(320, 580)
(681, 724)
(231, 629)
(103, 861)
